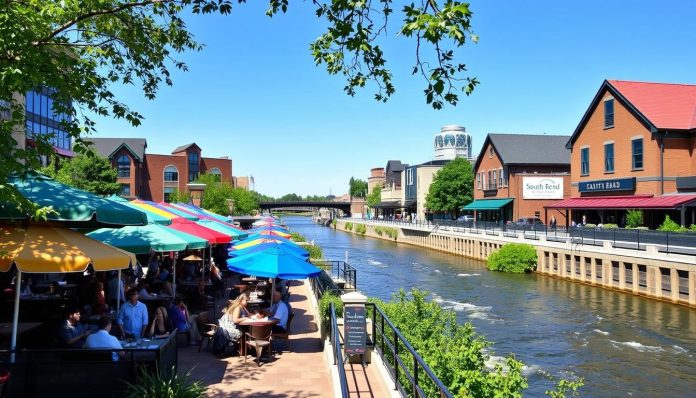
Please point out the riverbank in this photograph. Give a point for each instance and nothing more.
(649, 273)
(622, 345)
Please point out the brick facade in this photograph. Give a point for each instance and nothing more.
(510, 186)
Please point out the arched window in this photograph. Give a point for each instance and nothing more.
(171, 174)
(123, 166)
(217, 173)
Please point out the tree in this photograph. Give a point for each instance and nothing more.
(89, 172)
(290, 197)
(452, 187)
(375, 196)
(81, 49)
(357, 188)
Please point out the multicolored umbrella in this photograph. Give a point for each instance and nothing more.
(257, 240)
(275, 262)
(298, 251)
(151, 237)
(72, 207)
(190, 227)
(152, 217)
(223, 228)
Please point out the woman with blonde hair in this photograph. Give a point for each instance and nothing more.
(227, 331)
(161, 325)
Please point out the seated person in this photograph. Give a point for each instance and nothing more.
(26, 289)
(279, 313)
(132, 318)
(102, 339)
(53, 289)
(183, 321)
(144, 291)
(166, 289)
(227, 331)
(163, 274)
(72, 332)
(161, 325)
(99, 307)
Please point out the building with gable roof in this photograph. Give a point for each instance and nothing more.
(635, 148)
(516, 175)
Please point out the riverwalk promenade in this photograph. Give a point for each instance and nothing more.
(303, 371)
(648, 272)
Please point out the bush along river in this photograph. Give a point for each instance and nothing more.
(622, 345)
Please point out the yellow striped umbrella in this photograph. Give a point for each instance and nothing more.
(153, 209)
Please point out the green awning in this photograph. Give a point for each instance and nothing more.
(72, 206)
(141, 240)
(487, 204)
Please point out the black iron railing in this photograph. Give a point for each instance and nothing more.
(635, 239)
(338, 353)
(412, 377)
(339, 270)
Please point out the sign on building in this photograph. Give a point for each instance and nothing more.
(617, 184)
(542, 188)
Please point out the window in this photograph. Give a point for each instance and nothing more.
(123, 166)
(500, 173)
(490, 152)
(217, 173)
(125, 189)
(609, 158)
(193, 166)
(478, 181)
(168, 194)
(637, 153)
(585, 161)
(171, 174)
(608, 113)
(494, 180)
(409, 177)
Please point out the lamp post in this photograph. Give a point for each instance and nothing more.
(230, 205)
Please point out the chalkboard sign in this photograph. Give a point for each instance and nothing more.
(354, 329)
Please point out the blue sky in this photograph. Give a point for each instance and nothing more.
(255, 95)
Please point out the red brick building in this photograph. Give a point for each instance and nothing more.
(635, 148)
(516, 175)
(154, 177)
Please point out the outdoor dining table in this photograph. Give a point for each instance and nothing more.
(245, 327)
(22, 327)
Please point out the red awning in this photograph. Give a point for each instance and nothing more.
(190, 227)
(624, 202)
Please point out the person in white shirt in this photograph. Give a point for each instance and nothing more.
(280, 313)
(102, 338)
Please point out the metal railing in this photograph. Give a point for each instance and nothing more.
(340, 270)
(635, 239)
(412, 377)
(338, 353)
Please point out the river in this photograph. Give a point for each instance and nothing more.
(622, 345)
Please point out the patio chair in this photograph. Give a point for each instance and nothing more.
(258, 338)
(206, 329)
(285, 335)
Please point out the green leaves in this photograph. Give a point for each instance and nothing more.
(87, 171)
(513, 257)
(357, 188)
(452, 187)
(375, 196)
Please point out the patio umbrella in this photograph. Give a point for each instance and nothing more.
(151, 237)
(272, 232)
(257, 240)
(73, 207)
(152, 217)
(163, 206)
(298, 251)
(190, 227)
(199, 210)
(274, 262)
(222, 228)
(269, 227)
(161, 214)
(42, 249)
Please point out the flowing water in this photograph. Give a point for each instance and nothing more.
(622, 345)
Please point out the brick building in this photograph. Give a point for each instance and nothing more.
(154, 177)
(376, 178)
(635, 148)
(516, 175)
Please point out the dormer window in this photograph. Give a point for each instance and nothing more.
(193, 166)
(609, 113)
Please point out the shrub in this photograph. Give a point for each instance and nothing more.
(379, 231)
(333, 223)
(348, 226)
(610, 226)
(513, 257)
(634, 218)
(391, 232)
(296, 237)
(670, 226)
(324, 302)
(360, 229)
(161, 385)
(590, 225)
(314, 251)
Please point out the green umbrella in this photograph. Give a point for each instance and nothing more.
(222, 228)
(72, 206)
(152, 217)
(151, 237)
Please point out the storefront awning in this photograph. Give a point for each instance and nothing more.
(487, 204)
(409, 203)
(625, 202)
(390, 204)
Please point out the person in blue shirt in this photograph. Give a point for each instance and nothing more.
(280, 313)
(102, 338)
(73, 333)
(132, 318)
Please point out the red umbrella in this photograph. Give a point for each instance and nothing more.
(190, 227)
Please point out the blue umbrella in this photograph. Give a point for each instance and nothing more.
(273, 263)
(251, 238)
(297, 251)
